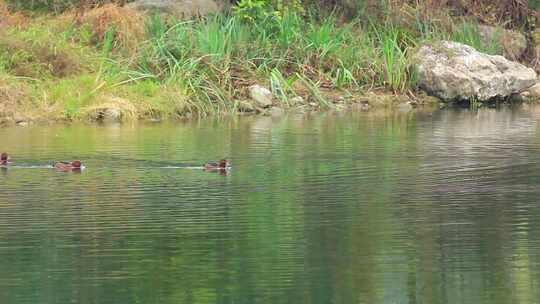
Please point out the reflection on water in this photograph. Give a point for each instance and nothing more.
(331, 208)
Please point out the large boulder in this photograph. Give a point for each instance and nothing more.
(454, 71)
(180, 8)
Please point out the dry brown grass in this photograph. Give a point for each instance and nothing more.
(8, 18)
(57, 6)
(406, 15)
(29, 59)
(511, 13)
(15, 103)
(128, 25)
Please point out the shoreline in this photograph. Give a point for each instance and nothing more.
(426, 106)
(371, 101)
(115, 112)
(112, 63)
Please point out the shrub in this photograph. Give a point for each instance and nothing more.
(112, 26)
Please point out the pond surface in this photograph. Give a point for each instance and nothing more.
(436, 207)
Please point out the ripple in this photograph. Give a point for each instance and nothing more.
(348, 208)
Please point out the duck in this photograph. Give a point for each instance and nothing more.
(68, 166)
(4, 159)
(222, 164)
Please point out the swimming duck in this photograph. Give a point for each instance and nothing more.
(4, 159)
(68, 166)
(220, 165)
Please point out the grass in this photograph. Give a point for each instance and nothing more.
(468, 33)
(168, 68)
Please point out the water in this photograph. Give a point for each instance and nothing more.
(330, 208)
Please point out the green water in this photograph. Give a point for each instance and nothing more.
(328, 208)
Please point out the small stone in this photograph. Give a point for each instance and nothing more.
(298, 100)
(111, 115)
(19, 118)
(261, 95)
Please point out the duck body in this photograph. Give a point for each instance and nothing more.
(220, 165)
(68, 166)
(4, 159)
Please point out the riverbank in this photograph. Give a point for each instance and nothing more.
(115, 63)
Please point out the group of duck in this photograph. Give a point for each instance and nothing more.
(76, 165)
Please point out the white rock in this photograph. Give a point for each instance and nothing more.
(112, 115)
(261, 95)
(454, 71)
(298, 100)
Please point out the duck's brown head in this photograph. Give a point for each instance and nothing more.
(76, 164)
(222, 163)
(4, 157)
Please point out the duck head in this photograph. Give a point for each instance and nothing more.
(4, 158)
(76, 164)
(222, 163)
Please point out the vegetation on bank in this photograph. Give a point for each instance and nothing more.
(81, 63)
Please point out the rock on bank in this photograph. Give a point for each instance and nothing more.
(454, 71)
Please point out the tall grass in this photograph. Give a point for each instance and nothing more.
(226, 51)
(468, 33)
(392, 66)
(205, 65)
(214, 59)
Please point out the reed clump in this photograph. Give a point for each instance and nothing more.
(167, 67)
